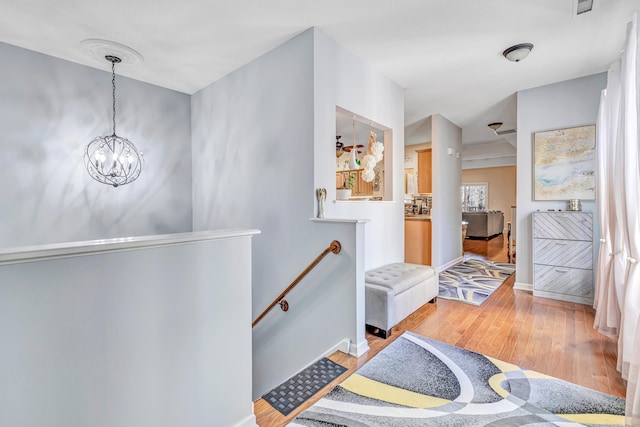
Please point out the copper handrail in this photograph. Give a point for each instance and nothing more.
(334, 247)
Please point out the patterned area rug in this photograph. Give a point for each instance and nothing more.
(295, 391)
(417, 381)
(473, 280)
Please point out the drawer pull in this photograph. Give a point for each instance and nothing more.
(562, 243)
(562, 270)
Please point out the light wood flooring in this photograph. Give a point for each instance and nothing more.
(552, 337)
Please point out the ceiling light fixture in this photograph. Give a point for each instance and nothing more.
(113, 160)
(495, 126)
(517, 52)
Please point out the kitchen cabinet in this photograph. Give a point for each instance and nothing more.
(424, 171)
(563, 256)
(417, 239)
(360, 186)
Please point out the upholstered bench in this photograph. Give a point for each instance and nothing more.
(394, 291)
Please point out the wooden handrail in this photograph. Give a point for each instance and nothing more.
(334, 247)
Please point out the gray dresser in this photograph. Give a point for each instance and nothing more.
(563, 256)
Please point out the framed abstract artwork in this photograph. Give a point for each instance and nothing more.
(564, 164)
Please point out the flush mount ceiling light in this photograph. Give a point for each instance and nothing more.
(113, 160)
(517, 52)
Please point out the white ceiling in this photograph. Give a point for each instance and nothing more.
(447, 54)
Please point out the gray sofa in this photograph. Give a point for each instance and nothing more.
(484, 224)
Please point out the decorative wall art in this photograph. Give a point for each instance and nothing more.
(564, 164)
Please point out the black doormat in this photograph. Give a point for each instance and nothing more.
(296, 390)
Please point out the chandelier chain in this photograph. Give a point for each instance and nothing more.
(111, 159)
(113, 85)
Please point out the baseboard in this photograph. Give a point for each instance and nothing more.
(347, 347)
(450, 264)
(343, 346)
(250, 421)
(523, 286)
(359, 349)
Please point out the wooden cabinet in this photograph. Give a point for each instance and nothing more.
(340, 179)
(360, 186)
(424, 171)
(417, 241)
(563, 256)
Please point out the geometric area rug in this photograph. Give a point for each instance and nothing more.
(294, 392)
(417, 381)
(474, 280)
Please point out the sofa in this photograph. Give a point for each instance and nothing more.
(484, 224)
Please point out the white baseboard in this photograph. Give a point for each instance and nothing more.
(359, 349)
(450, 264)
(343, 346)
(523, 286)
(250, 421)
(347, 347)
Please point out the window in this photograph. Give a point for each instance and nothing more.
(474, 197)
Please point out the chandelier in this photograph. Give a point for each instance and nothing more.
(113, 160)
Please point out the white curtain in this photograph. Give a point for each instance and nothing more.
(618, 271)
(607, 301)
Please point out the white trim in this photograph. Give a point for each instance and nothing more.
(89, 247)
(250, 421)
(523, 286)
(343, 346)
(347, 347)
(359, 349)
(386, 202)
(347, 220)
(450, 264)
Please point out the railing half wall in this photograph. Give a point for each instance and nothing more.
(128, 332)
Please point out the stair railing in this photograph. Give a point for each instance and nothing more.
(334, 247)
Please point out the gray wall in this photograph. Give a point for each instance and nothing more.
(163, 346)
(447, 180)
(559, 105)
(49, 110)
(253, 167)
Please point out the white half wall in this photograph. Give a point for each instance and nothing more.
(50, 109)
(559, 105)
(446, 214)
(150, 332)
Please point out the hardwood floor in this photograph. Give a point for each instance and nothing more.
(552, 337)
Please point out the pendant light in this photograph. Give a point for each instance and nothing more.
(113, 160)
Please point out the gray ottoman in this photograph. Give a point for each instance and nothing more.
(394, 291)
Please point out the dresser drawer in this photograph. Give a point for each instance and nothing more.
(561, 280)
(566, 253)
(563, 225)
